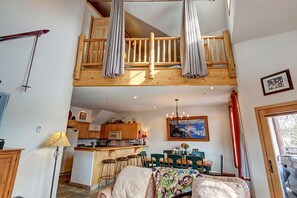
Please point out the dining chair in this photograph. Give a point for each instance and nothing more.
(143, 157)
(175, 161)
(198, 154)
(221, 172)
(157, 160)
(193, 161)
(166, 153)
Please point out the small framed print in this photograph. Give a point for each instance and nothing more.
(278, 82)
(83, 115)
(3, 103)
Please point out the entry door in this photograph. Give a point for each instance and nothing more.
(271, 165)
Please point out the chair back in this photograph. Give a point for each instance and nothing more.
(195, 160)
(157, 158)
(175, 161)
(222, 164)
(198, 154)
(143, 156)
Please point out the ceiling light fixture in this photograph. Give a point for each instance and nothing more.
(175, 115)
(212, 88)
(104, 101)
(135, 97)
(155, 107)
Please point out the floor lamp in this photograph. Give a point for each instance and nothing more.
(56, 140)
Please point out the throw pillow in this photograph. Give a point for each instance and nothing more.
(212, 188)
(171, 182)
(132, 182)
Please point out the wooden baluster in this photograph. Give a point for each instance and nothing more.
(145, 52)
(164, 51)
(169, 51)
(91, 52)
(174, 50)
(209, 50)
(214, 49)
(220, 50)
(129, 51)
(158, 51)
(134, 51)
(80, 54)
(98, 51)
(229, 54)
(103, 51)
(152, 56)
(139, 51)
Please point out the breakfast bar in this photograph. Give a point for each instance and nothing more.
(87, 163)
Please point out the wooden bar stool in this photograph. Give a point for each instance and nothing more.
(108, 172)
(121, 163)
(132, 160)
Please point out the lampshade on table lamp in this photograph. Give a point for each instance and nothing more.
(56, 140)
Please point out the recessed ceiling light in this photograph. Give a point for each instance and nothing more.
(214, 102)
(135, 97)
(155, 107)
(104, 101)
(211, 88)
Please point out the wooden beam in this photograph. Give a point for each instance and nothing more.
(162, 77)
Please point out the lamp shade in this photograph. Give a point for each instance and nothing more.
(58, 139)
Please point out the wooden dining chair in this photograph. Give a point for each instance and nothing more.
(175, 161)
(193, 161)
(157, 160)
(166, 153)
(143, 157)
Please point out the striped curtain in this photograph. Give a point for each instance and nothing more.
(238, 141)
(113, 62)
(191, 51)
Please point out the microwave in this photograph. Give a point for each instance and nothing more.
(114, 135)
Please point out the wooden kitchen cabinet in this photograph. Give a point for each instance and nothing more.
(129, 131)
(83, 130)
(9, 161)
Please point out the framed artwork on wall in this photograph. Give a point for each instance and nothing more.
(277, 82)
(83, 115)
(3, 103)
(194, 128)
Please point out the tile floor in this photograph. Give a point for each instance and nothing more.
(66, 191)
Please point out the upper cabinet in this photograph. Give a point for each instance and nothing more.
(129, 131)
(83, 130)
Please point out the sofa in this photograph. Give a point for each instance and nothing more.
(137, 182)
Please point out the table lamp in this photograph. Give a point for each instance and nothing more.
(144, 136)
(56, 140)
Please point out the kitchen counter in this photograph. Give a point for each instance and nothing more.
(108, 148)
(87, 163)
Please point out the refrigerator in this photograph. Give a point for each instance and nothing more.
(68, 152)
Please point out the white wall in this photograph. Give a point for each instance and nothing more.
(255, 59)
(220, 139)
(47, 102)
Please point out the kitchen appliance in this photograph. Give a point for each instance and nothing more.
(68, 153)
(115, 135)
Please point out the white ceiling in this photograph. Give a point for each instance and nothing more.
(255, 19)
(120, 99)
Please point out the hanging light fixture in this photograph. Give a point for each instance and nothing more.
(175, 115)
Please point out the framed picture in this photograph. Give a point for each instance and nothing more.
(83, 115)
(3, 103)
(278, 82)
(194, 128)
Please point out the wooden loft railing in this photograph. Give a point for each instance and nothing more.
(145, 57)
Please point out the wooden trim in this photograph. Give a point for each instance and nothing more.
(275, 186)
(229, 54)
(79, 56)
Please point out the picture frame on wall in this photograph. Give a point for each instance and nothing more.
(194, 128)
(4, 97)
(277, 82)
(83, 115)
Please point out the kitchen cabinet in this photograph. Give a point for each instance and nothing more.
(83, 130)
(9, 161)
(128, 131)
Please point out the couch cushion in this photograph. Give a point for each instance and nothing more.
(171, 182)
(132, 182)
(211, 188)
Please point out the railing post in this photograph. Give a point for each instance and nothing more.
(79, 57)
(152, 56)
(229, 54)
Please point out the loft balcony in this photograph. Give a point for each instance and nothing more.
(154, 61)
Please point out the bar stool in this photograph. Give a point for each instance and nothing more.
(132, 160)
(108, 172)
(121, 163)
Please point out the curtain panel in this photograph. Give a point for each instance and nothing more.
(191, 51)
(238, 141)
(113, 62)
